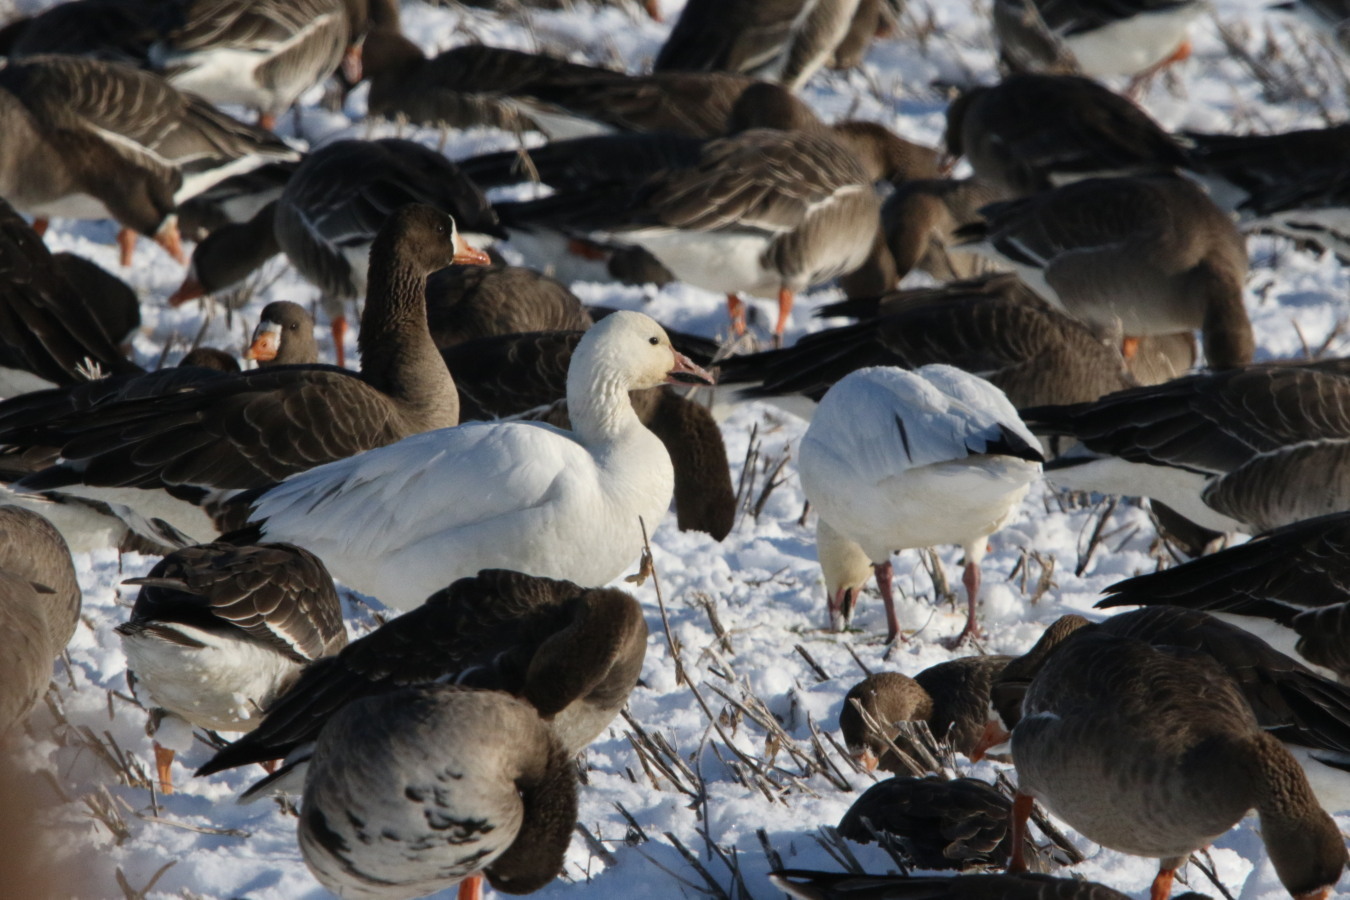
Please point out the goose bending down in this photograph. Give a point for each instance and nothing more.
(952, 697)
(39, 609)
(218, 632)
(251, 429)
(1103, 40)
(1240, 450)
(94, 140)
(1290, 586)
(994, 327)
(402, 521)
(478, 766)
(572, 653)
(328, 215)
(264, 54)
(1030, 133)
(1155, 751)
(785, 40)
(895, 460)
(1129, 256)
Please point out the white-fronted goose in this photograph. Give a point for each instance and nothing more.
(218, 632)
(809, 885)
(525, 376)
(898, 460)
(59, 315)
(328, 216)
(379, 831)
(993, 327)
(784, 40)
(1154, 751)
(284, 336)
(478, 85)
(1290, 184)
(1129, 256)
(259, 54)
(572, 653)
(469, 302)
(94, 139)
(561, 504)
(115, 30)
(765, 212)
(1291, 586)
(952, 697)
(1029, 133)
(39, 609)
(1101, 38)
(936, 822)
(1251, 448)
(256, 427)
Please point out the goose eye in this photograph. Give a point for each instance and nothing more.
(653, 341)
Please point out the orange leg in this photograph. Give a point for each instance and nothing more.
(736, 311)
(586, 250)
(169, 238)
(784, 310)
(267, 121)
(339, 327)
(471, 888)
(1021, 811)
(40, 225)
(1129, 347)
(126, 239)
(163, 763)
(1140, 81)
(1162, 885)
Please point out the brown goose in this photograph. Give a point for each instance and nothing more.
(1103, 40)
(469, 302)
(1129, 256)
(512, 804)
(936, 822)
(261, 54)
(219, 631)
(39, 609)
(328, 216)
(572, 653)
(478, 85)
(1245, 449)
(1291, 585)
(765, 212)
(784, 40)
(809, 885)
(284, 336)
(525, 376)
(952, 697)
(59, 315)
(260, 426)
(1030, 133)
(94, 139)
(994, 327)
(1155, 751)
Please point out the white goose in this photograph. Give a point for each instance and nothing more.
(405, 520)
(896, 460)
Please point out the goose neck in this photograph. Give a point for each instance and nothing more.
(597, 402)
(1303, 842)
(398, 355)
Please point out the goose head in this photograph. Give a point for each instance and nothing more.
(284, 336)
(886, 697)
(632, 352)
(846, 569)
(425, 238)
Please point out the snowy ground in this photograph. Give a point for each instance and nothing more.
(738, 610)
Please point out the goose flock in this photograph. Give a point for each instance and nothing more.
(440, 459)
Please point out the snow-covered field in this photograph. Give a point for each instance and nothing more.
(729, 800)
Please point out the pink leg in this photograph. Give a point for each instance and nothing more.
(970, 577)
(883, 573)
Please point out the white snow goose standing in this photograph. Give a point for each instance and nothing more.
(431, 786)
(404, 520)
(895, 460)
(94, 140)
(218, 632)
